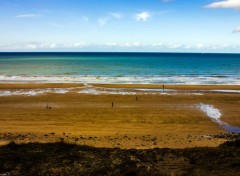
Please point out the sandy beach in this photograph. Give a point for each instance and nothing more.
(141, 120)
(120, 88)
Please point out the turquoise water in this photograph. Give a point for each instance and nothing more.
(172, 68)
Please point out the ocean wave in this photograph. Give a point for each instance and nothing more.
(154, 79)
(86, 89)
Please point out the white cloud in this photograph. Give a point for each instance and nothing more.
(201, 47)
(30, 15)
(111, 44)
(41, 45)
(236, 30)
(225, 4)
(132, 44)
(169, 45)
(197, 47)
(124, 44)
(116, 15)
(78, 45)
(121, 46)
(144, 16)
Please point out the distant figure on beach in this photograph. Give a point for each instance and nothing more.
(48, 107)
(136, 98)
(112, 104)
(163, 88)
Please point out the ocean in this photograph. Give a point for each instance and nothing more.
(129, 68)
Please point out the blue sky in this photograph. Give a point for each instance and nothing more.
(120, 25)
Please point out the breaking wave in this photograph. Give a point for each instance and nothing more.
(154, 79)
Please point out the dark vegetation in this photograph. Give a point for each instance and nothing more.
(69, 159)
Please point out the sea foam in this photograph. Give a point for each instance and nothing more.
(106, 91)
(211, 111)
(127, 79)
(215, 115)
(33, 92)
(227, 91)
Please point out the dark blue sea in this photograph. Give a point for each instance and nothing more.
(141, 68)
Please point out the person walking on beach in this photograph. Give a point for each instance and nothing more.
(112, 104)
(163, 88)
(48, 107)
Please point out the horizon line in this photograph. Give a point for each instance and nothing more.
(170, 52)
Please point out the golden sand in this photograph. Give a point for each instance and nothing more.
(149, 121)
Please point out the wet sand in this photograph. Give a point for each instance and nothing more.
(148, 121)
(170, 86)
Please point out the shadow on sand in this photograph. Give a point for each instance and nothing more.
(69, 159)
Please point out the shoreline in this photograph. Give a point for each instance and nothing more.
(37, 85)
(133, 86)
(171, 86)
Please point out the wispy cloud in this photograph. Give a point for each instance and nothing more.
(125, 44)
(32, 46)
(143, 16)
(55, 24)
(42, 46)
(29, 15)
(103, 21)
(172, 46)
(72, 45)
(116, 15)
(197, 47)
(236, 30)
(225, 4)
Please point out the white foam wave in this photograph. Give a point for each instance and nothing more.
(61, 91)
(104, 91)
(152, 79)
(227, 91)
(28, 93)
(89, 91)
(5, 93)
(33, 92)
(215, 114)
(211, 111)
